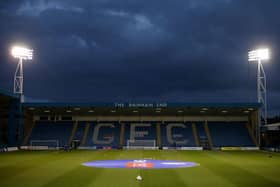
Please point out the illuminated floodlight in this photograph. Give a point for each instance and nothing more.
(259, 54)
(22, 53)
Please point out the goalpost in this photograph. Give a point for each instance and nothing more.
(141, 144)
(44, 144)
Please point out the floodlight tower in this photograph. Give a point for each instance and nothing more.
(258, 56)
(21, 54)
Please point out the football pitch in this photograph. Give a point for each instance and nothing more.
(65, 169)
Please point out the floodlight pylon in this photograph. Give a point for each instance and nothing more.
(258, 56)
(21, 54)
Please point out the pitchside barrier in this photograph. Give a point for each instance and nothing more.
(34, 148)
(44, 144)
(138, 147)
(183, 148)
(12, 149)
(8, 149)
(240, 148)
(86, 148)
(97, 147)
(271, 149)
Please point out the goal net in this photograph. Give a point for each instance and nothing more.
(44, 144)
(141, 144)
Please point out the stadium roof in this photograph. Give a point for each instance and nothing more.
(8, 94)
(131, 108)
(140, 105)
(5, 101)
(48, 108)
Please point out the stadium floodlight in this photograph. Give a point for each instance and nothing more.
(260, 55)
(21, 53)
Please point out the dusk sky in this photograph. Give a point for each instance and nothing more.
(136, 50)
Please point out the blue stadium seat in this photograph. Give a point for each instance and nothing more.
(201, 131)
(230, 134)
(105, 133)
(181, 136)
(60, 131)
(142, 132)
(80, 131)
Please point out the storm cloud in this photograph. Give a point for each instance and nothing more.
(174, 50)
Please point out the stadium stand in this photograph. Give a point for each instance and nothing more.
(224, 134)
(230, 134)
(106, 129)
(140, 131)
(10, 119)
(103, 134)
(79, 133)
(60, 131)
(177, 135)
(200, 130)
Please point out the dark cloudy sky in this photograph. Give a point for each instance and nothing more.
(136, 50)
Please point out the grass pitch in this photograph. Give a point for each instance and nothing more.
(61, 169)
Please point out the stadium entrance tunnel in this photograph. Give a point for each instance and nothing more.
(140, 164)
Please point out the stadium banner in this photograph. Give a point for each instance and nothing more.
(12, 149)
(250, 148)
(40, 148)
(140, 148)
(239, 148)
(24, 147)
(87, 148)
(190, 148)
(271, 149)
(231, 148)
(105, 147)
(37, 148)
(183, 148)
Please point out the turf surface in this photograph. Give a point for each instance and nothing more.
(61, 169)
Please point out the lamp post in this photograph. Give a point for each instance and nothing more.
(21, 54)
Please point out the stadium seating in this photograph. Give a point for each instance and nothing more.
(178, 134)
(60, 131)
(230, 134)
(78, 135)
(201, 131)
(108, 134)
(145, 132)
(171, 134)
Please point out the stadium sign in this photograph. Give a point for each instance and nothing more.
(142, 105)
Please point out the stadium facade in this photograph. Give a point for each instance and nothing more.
(124, 125)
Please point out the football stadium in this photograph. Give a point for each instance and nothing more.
(133, 144)
(139, 94)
